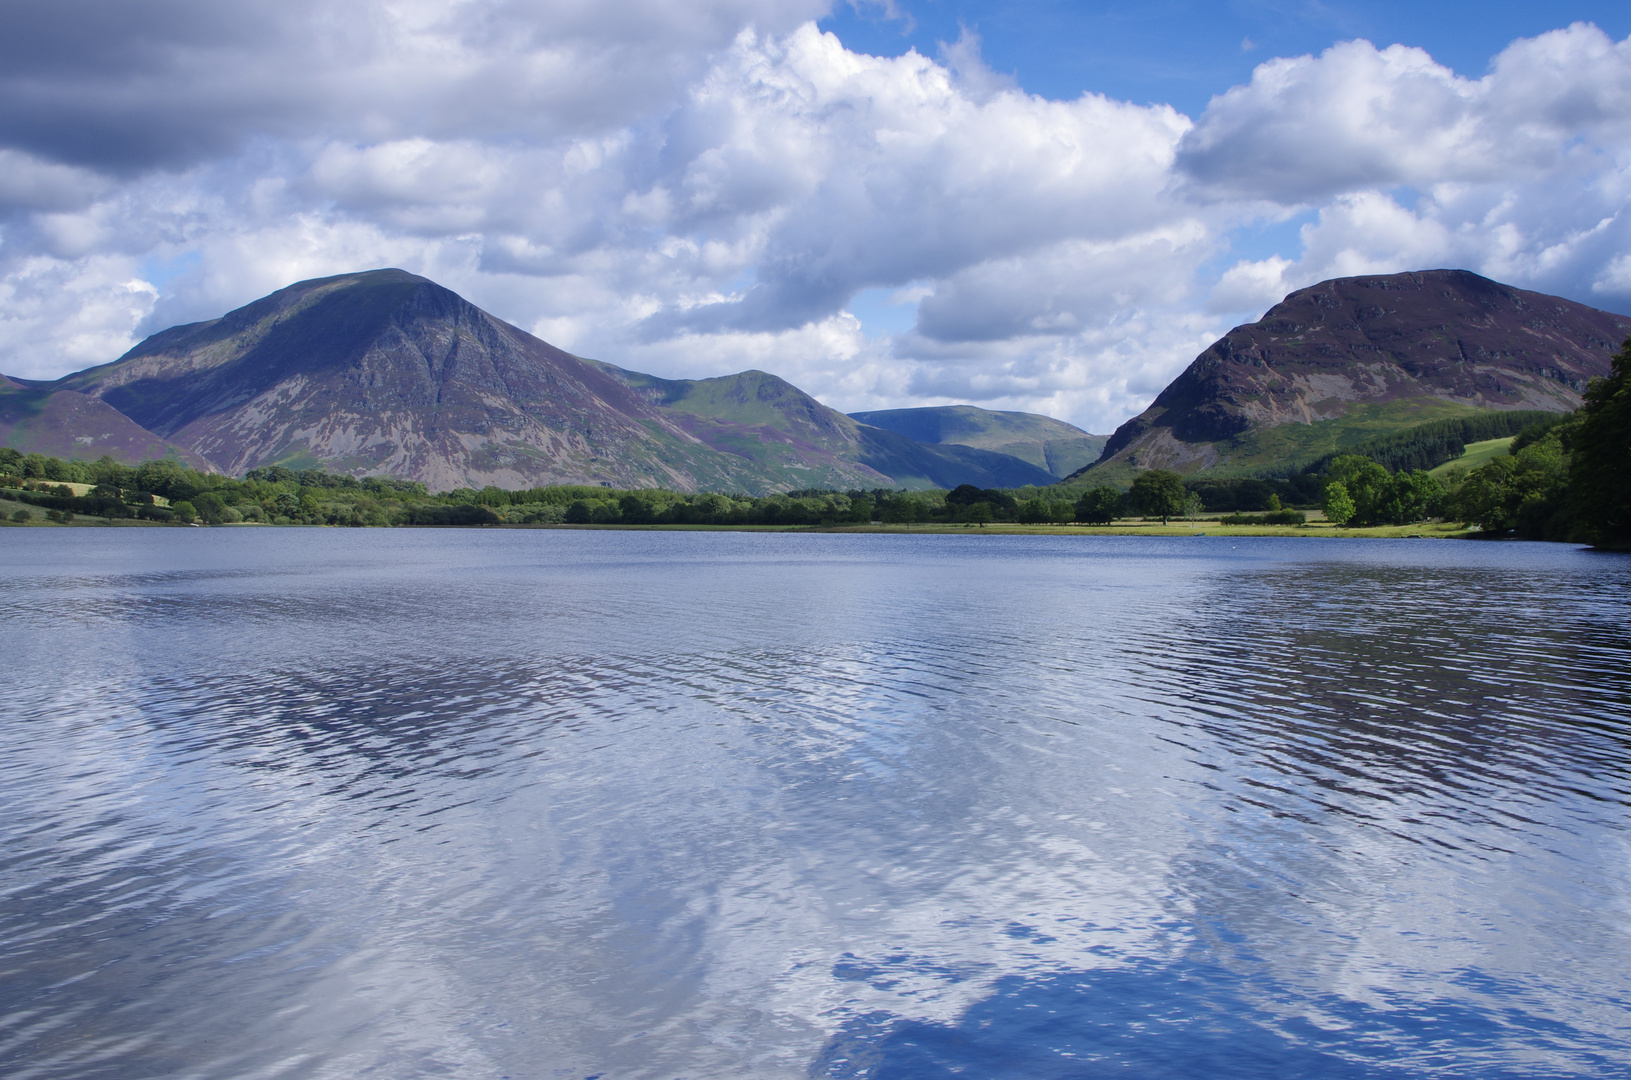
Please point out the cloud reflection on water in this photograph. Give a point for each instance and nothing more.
(653, 804)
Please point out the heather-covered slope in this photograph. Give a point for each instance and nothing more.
(1353, 358)
(1052, 445)
(387, 373)
(63, 424)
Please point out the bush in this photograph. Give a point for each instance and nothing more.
(21, 515)
(1276, 517)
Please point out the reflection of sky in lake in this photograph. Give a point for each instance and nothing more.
(315, 802)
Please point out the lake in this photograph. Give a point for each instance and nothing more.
(500, 803)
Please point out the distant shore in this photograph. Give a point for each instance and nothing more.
(1198, 527)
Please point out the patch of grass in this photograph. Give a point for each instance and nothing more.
(1476, 454)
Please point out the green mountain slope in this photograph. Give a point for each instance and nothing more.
(754, 413)
(1051, 445)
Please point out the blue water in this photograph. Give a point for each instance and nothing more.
(348, 803)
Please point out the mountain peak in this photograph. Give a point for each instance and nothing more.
(386, 372)
(1385, 349)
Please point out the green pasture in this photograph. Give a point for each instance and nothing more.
(1476, 454)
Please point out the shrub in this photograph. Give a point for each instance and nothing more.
(1276, 517)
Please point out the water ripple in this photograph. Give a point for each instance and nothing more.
(316, 803)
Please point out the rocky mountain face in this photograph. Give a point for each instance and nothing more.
(387, 373)
(1049, 444)
(1363, 355)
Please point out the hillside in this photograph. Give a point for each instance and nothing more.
(752, 410)
(387, 373)
(61, 423)
(1049, 444)
(1353, 358)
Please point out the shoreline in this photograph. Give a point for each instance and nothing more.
(1313, 530)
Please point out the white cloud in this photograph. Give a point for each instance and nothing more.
(1523, 175)
(83, 307)
(693, 188)
(1307, 128)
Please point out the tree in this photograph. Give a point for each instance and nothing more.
(184, 510)
(1338, 504)
(1408, 497)
(1034, 512)
(1527, 491)
(1366, 483)
(1600, 457)
(1099, 505)
(1158, 493)
(980, 513)
(209, 506)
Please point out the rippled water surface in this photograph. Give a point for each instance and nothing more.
(325, 803)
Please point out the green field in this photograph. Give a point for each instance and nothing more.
(1476, 454)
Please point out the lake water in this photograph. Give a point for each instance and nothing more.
(329, 803)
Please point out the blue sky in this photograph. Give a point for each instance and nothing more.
(889, 204)
(1181, 52)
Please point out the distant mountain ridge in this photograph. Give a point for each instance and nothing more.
(1049, 444)
(1352, 358)
(385, 372)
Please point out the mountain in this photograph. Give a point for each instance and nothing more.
(1049, 444)
(61, 423)
(753, 413)
(387, 373)
(1352, 358)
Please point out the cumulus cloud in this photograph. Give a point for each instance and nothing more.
(1356, 117)
(1523, 175)
(694, 188)
(865, 172)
